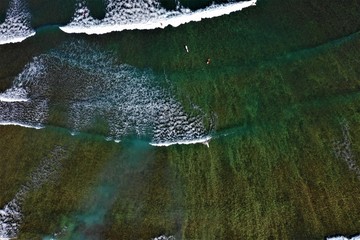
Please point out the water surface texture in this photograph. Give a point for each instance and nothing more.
(163, 119)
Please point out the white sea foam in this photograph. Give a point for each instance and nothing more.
(343, 149)
(144, 14)
(31, 114)
(94, 88)
(24, 104)
(204, 141)
(14, 95)
(344, 238)
(16, 27)
(163, 237)
(4, 123)
(32, 72)
(125, 99)
(10, 214)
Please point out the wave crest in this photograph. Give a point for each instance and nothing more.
(16, 26)
(143, 14)
(94, 89)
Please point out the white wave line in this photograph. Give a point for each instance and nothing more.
(204, 141)
(14, 94)
(6, 123)
(15, 40)
(343, 238)
(83, 23)
(10, 99)
(126, 98)
(16, 27)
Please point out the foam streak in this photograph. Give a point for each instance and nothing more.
(343, 149)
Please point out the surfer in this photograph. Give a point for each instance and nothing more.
(186, 48)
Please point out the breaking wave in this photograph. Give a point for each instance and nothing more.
(344, 238)
(94, 88)
(16, 27)
(143, 14)
(120, 15)
(23, 104)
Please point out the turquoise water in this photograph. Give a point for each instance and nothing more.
(130, 109)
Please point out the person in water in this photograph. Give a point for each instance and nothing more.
(186, 48)
(208, 61)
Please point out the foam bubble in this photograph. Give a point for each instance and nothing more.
(144, 14)
(7, 123)
(204, 141)
(126, 99)
(343, 149)
(163, 237)
(31, 114)
(16, 27)
(14, 95)
(94, 88)
(24, 103)
(344, 238)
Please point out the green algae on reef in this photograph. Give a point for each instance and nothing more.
(284, 78)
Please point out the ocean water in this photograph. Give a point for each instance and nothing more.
(179, 119)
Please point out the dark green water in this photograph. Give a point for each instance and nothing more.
(281, 89)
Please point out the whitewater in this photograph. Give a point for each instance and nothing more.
(92, 87)
(16, 27)
(120, 16)
(357, 237)
(144, 15)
